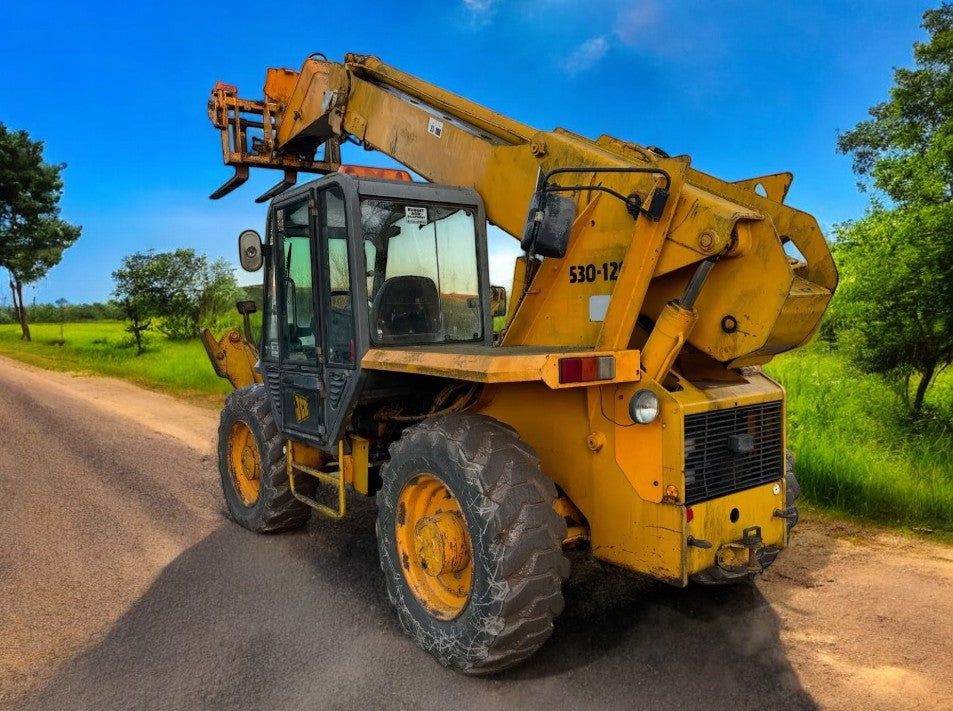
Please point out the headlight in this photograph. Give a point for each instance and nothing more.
(643, 407)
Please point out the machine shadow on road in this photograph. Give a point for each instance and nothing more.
(302, 620)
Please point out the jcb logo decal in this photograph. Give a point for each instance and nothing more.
(302, 411)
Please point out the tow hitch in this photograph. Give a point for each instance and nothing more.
(739, 559)
(743, 556)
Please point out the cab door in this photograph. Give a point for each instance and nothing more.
(343, 298)
(299, 318)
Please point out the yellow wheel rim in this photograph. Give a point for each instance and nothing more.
(244, 462)
(434, 547)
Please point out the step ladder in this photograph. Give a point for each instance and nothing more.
(351, 470)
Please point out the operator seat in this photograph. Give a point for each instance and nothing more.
(407, 310)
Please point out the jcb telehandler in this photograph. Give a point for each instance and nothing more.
(619, 405)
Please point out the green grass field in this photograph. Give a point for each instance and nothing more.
(105, 348)
(857, 450)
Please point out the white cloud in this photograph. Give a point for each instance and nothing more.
(635, 22)
(586, 55)
(479, 5)
(480, 12)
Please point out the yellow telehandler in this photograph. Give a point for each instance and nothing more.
(614, 400)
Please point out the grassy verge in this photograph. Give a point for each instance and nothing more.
(857, 449)
(104, 348)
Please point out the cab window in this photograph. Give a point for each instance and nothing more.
(332, 225)
(423, 276)
(295, 287)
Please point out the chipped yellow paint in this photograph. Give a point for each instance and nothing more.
(232, 357)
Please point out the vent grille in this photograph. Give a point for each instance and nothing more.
(336, 382)
(273, 382)
(714, 466)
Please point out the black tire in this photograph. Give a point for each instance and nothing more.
(518, 564)
(276, 509)
(792, 488)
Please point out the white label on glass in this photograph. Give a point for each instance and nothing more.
(415, 215)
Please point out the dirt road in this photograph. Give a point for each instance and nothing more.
(123, 586)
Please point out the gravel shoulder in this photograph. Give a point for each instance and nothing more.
(125, 586)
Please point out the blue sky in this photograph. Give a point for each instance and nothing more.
(118, 91)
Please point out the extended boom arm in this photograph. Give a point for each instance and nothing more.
(628, 260)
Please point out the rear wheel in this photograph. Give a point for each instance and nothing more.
(251, 463)
(470, 546)
(791, 487)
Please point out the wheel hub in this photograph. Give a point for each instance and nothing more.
(244, 462)
(441, 543)
(434, 546)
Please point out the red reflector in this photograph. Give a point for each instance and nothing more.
(570, 370)
(689, 514)
(581, 370)
(590, 368)
(368, 172)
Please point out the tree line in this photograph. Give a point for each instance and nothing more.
(54, 313)
(173, 293)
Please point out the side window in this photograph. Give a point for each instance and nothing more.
(295, 287)
(269, 319)
(333, 228)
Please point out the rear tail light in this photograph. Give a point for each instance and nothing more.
(590, 368)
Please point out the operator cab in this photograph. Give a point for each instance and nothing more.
(354, 263)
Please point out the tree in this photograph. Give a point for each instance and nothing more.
(32, 237)
(907, 145)
(134, 293)
(180, 289)
(894, 308)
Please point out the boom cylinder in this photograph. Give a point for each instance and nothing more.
(666, 340)
(673, 326)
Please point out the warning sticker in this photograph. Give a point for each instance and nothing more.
(415, 215)
(435, 128)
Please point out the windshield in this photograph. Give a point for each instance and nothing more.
(423, 276)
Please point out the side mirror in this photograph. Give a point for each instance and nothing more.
(548, 224)
(497, 301)
(245, 308)
(250, 251)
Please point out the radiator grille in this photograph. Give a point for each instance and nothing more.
(713, 469)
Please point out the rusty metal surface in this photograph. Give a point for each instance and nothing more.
(248, 131)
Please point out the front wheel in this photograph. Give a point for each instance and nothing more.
(470, 546)
(251, 463)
